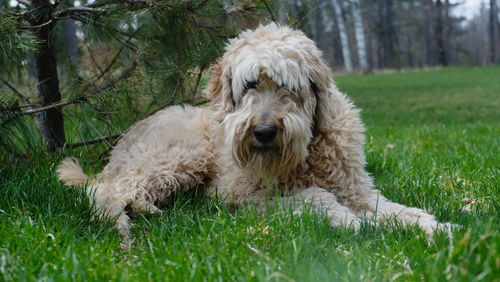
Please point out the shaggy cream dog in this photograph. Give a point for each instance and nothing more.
(277, 124)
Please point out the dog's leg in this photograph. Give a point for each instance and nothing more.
(144, 206)
(368, 202)
(325, 201)
(157, 176)
(110, 204)
(384, 209)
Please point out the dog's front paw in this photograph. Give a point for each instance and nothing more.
(432, 228)
(448, 227)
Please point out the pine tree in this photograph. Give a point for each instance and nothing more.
(157, 48)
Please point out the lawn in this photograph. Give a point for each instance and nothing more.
(433, 140)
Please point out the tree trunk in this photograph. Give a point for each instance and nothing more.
(360, 35)
(317, 24)
(346, 53)
(331, 41)
(493, 25)
(48, 82)
(409, 52)
(448, 32)
(440, 41)
(379, 27)
(387, 36)
(429, 44)
(390, 35)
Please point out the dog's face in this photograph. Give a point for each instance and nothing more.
(265, 88)
(270, 127)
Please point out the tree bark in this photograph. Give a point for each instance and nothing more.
(48, 82)
(409, 52)
(360, 35)
(440, 40)
(390, 35)
(387, 36)
(493, 25)
(317, 23)
(429, 44)
(448, 32)
(346, 53)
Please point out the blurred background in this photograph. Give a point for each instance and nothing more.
(364, 35)
(78, 73)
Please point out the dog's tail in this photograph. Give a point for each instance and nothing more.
(71, 173)
(105, 206)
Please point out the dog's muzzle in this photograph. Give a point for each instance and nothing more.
(265, 132)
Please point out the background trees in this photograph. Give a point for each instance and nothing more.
(493, 31)
(400, 34)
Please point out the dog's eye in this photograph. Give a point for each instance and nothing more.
(252, 84)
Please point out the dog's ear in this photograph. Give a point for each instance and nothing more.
(333, 109)
(219, 89)
(324, 89)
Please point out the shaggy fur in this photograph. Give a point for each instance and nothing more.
(273, 76)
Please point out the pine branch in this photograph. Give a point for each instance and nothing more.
(111, 29)
(18, 94)
(198, 6)
(103, 72)
(27, 104)
(198, 79)
(36, 26)
(271, 14)
(25, 2)
(93, 141)
(92, 58)
(76, 11)
(142, 2)
(82, 99)
(239, 10)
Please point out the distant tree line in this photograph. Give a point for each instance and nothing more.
(367, 35)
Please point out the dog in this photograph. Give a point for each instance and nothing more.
(276, 125)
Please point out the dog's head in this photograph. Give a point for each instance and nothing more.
(270, 91)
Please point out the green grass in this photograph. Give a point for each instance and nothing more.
(432, 140)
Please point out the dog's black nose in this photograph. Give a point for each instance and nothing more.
(265, 132)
